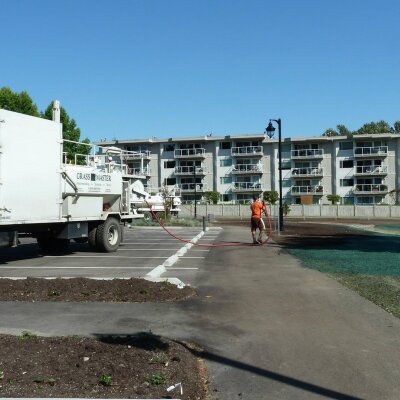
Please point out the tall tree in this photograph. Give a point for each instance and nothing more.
(330, 132)
(396, 126)
(374, 128)
(70, 132)
(343, 131)
(18, 102)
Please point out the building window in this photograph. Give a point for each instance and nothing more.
(169, 147)
(225, 145)
(225, 162)
(225, 180)
(346, 164)
(348, 201)
(169, 164)
(225, 197)
(170, 181)
(346, 182)
(345, 145)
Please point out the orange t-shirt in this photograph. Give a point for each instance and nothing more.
(256, 208)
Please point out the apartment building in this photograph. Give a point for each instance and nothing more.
(362, 169)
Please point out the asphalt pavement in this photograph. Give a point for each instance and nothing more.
(270, 328)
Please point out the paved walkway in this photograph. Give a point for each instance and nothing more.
(271, 329)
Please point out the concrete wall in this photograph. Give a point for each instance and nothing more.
(297, 211)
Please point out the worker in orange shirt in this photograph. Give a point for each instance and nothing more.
(257, 207)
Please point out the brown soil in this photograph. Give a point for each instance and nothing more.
(317, 234)
(141, 366)
(83, 290)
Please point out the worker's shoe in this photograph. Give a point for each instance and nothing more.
(259, 241)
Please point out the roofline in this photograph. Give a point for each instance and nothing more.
(259, 136)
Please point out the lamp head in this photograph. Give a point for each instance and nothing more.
(270, 130)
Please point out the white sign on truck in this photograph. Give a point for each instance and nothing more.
(54, 196)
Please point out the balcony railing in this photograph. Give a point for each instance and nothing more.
(246, 187)
(145, 154)
(247, 169)
(189, 170)
(378, 151)
(300, 190)
(307, 153)
(191, 187)
(247, 151)
(306, 172)
(190, 153)
(370, 189)
(371, 170)
(137, 171)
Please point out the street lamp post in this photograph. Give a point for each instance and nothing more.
(270, 132)
(195, 192)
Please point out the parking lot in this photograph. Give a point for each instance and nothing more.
(143, 249)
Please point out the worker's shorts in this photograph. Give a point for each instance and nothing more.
(256, 223)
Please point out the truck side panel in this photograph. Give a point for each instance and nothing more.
(30, 161)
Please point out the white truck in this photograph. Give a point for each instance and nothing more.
(143, 198)
(44, 194)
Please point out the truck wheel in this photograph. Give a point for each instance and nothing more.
(108, 235)
(49, 243)
(92, 237)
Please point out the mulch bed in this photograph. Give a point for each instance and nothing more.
(131, 290)
(140, 366)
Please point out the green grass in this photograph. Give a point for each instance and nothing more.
(368, 265)
(381, 290)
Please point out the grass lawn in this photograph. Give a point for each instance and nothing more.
(369, 265)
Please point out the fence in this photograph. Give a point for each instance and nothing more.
(242, 211)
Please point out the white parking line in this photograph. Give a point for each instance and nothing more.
(191, 257)
(82, 268)
(66, 256)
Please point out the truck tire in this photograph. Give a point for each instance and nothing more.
(92, 237)
(108, 235)
(49, 243)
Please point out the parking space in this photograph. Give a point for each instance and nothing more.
(143, 249)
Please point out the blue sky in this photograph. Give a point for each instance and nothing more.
(169, 68)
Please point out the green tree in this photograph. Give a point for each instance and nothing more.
(334, 198)
(374, 128)
(396, 126)
(271, 197)
(343, 131)
(330, 132)
(18, 102)
(70, 132)
(211, 197)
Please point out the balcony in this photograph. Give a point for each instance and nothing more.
(304, 154)
(247, 151)
(370, 189)
(137, 171)
(137, 155)
(304, 190)
(307, 172)
(189, 170)
(247, 169)
(191, 187)
(370, 152)
(371, 170)
(246, 187)
(190, 153)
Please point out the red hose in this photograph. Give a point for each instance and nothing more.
(211, 244)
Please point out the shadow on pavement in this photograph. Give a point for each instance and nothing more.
(149, 341)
